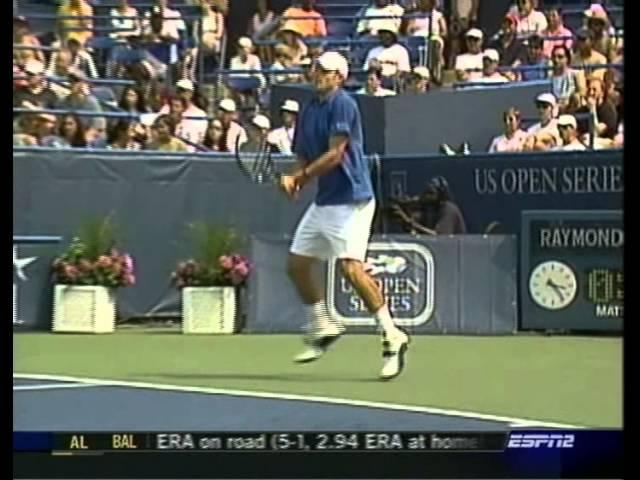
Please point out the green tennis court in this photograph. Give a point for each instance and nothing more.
(568, 380)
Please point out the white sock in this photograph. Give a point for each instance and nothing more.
(384, 319)
(319, 315)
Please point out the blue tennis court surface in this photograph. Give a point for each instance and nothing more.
(54, 405)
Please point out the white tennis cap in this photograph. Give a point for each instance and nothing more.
(227, 104)
(567, 120)
(261, 121)
(290, 106)
(491, 54)
(245, 42)
(333, 61)
(185, 84)
(547, 98)
(475, 33)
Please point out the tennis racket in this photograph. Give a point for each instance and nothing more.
(256, 163)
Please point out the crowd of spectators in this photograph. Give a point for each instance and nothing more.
(174, 98)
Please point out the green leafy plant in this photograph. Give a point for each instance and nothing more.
(93, 259)
(217, 261)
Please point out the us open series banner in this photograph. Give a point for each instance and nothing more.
(445, 284)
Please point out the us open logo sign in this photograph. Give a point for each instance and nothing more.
(404, 272)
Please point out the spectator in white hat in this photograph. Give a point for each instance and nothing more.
(379, 8)
(490, 63)
(530, 20)
(418, 81)
(232, 132)
(568, 128)
(513, 137)
(193, 125)
(544, 135)
(391, 56)
(246, 60)
(282, 138)
(373, 86)
(469, 65)
(257, 134)
(36, 90)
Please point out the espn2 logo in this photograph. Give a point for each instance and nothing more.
(539, 440)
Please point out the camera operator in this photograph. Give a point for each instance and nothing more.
(432, 213)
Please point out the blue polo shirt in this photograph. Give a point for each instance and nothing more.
(350, 182)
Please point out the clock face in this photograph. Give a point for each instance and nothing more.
(553, 285)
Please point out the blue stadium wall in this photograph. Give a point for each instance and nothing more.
(153, 197)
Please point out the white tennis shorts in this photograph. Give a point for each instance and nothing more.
(329, 231)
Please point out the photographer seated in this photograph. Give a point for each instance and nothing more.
(432, 213)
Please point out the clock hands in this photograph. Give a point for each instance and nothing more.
(556, 288)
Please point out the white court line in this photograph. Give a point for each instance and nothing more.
(52, 386)
(512, 421)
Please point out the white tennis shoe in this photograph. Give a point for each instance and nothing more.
(394, 349)
(318, 342)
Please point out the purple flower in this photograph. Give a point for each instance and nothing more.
(129, 279)
(128, 262)
(241, 269)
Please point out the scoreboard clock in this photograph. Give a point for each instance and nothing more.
(571, 275)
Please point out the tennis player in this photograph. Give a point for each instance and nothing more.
(328, 146)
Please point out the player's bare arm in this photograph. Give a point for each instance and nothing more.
(295, 181)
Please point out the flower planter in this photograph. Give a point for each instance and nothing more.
(209, 310)
(84, 309)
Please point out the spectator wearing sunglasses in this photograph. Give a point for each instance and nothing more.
(544, 135)
(568, 128)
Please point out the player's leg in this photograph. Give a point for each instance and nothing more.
(308, 249)
(351, 247)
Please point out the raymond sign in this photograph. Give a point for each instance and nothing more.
(405, 273)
